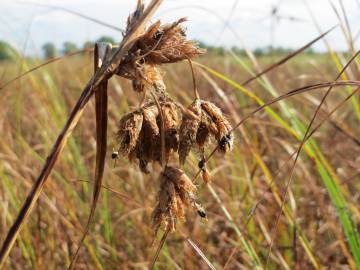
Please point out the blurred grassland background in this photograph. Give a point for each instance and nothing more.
(319, 226)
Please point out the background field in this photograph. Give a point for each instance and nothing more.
(318, 228)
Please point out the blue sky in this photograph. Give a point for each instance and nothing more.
(27, 25)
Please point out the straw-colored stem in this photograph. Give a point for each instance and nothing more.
(196, 92)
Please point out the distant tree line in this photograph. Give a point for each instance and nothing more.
(269, 50)
(7, 52)
(51, 51)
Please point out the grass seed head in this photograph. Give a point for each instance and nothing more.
(219, 126)
(149, 133)
(139, 135)
(175, 195)
(159, 44)
(146, 77)
(165, 44)
(171, 125)
(129, 131)
(188, 129)
(203, 121)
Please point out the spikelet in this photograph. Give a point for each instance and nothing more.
(159, 44)
(175, 195)
(129, 131)
(147, 77)
(219, 127)
(205, 176)
(171, 120)
(149, 133)
(168, 44)
(203, 121)
(171, 124)
(204, 172)
(139, 135)
(188, 130)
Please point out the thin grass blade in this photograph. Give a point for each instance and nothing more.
(50, 61)
(287, 58)
(355, 247)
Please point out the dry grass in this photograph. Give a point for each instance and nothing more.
(248, 185)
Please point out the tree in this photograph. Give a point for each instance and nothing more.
(49, 50)
(88, 45)
(6, 51)
(259, 52)
(310, 51)
(238, 51)
(69, 47)
(201, 44)
(106, 39)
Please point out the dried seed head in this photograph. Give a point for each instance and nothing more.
(175, 195)
(202, 121)
(188, 129)
(147, 140)
(146, 145)
(170, 116)
(129, 131)
(146, 77)
(171, 124)
(159, 44)
(168, 44)
(219, 126)
(202, 136)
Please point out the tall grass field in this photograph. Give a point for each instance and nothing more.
(279, 188)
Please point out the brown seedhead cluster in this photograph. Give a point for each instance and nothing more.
(139, 134)
(160, 127)
(203, 121)
(159, 44)
(176, 193)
